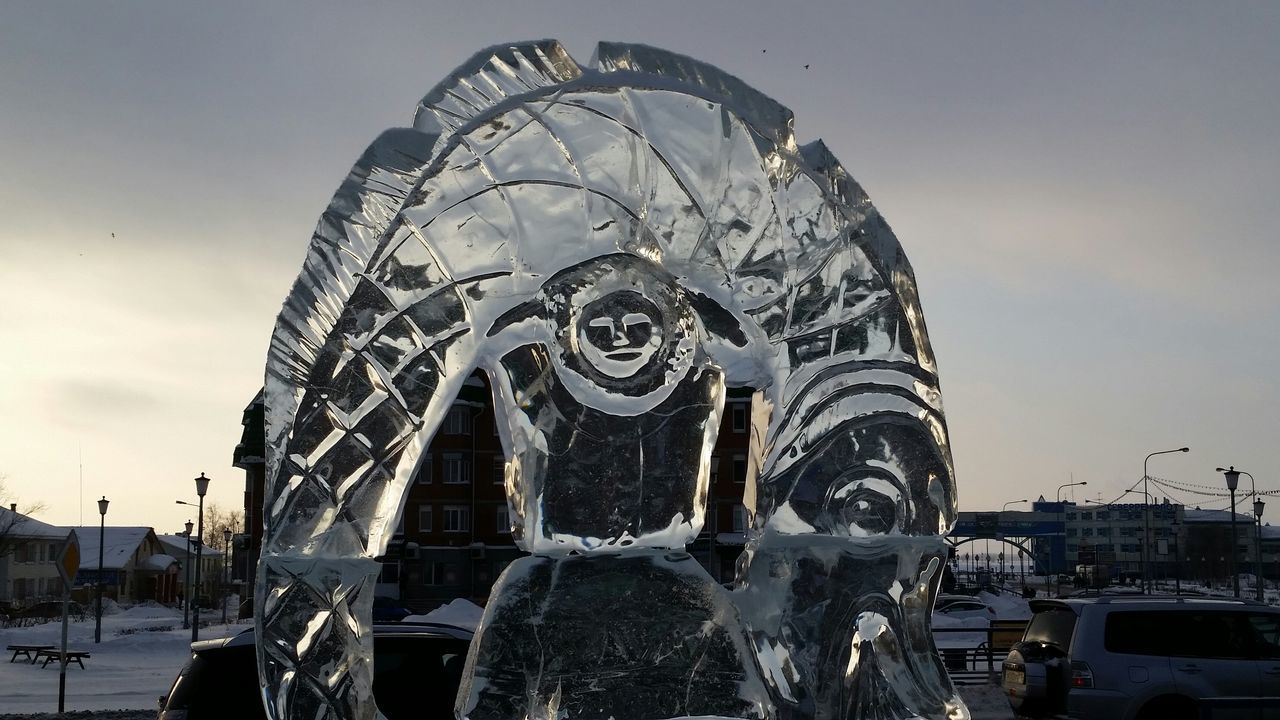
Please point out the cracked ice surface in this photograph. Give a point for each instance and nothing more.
(614, 245)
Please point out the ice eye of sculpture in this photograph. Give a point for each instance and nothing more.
(614, 245)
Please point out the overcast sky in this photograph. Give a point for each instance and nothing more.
(1088, 194)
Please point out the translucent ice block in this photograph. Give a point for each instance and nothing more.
(613, 245)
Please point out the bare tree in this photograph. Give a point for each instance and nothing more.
(11, 518)
(216, 518)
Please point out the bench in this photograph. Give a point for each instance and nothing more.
(72, 656)
(26, 651)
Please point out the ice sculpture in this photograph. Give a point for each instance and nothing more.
(612, 245)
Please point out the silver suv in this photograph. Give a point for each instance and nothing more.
(1147, 657)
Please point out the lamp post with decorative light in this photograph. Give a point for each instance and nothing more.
(102, 534)
(202, 487)
(1258, 506)
(1233, 480)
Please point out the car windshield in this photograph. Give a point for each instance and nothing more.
(1052, 627)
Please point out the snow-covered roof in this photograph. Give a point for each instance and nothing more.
(120, 545)
(17, 525)
(176, 545)
(160, 561)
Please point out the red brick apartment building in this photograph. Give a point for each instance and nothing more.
(454, 536)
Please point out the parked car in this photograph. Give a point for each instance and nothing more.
(416, 671)
(387, 610)
(1147, 658)
(964, 607)
(48, 610)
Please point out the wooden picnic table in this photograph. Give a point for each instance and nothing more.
(27, 651)
(73, 656)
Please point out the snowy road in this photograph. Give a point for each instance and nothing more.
(129, 669)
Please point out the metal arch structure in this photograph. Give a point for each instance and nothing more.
(1020, 543)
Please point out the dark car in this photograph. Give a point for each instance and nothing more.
(389, 610)
(48, 610)
(416, 671)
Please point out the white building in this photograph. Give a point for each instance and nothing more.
(211, 564)
(28, 558)
(135, 567)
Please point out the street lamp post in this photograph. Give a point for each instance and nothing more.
(1061, 512)
(202, 487)
(1011, 502)
(1258, 506)
(186, 579)
(102, 534)
(1233, 480)
(1067, 485)
(226, 567)
(1146, 519)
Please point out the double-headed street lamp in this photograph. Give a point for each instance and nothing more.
(1146, 518)
(102, 533)
(1232, 476)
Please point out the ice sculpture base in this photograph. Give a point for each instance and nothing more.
(642, 636)
(854, 638)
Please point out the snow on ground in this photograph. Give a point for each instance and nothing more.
(142, 649)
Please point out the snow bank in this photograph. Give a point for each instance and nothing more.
(1007, 607)
(458, 613)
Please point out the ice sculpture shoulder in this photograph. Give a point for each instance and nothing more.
(613, 245)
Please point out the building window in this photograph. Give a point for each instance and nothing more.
(1104, 532)
(1088, 532)
(1086, 516)
(458, 421)
(1071, 532)
(457, 471)
(738, 416)
(502, 519)
(1103, 515)
(424, 470)
(1071, 516)
(740, 468)
(499, 470)
(390, 573)
(715, 470)
(451, 574)
(457, 518)
(424, 519)
(739, 518)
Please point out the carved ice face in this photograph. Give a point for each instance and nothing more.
(619, 333)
